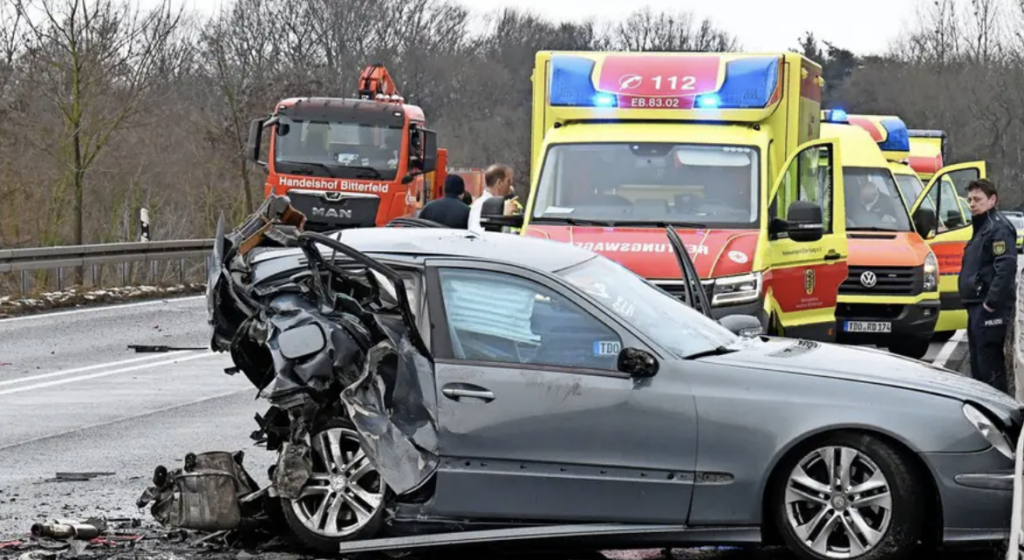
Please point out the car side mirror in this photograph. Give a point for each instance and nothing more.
(637, 363)
(742, 325)
(493, 218)
(804, 222)
(925, 222)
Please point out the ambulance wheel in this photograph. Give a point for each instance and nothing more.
(910, 347)
(344, 498)
(942, 336)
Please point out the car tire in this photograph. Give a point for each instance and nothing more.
(942, 336)
(889, 520)
(910, 347)
(358, 485)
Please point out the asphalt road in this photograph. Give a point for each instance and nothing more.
(74, 398)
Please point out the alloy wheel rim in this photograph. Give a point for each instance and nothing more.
(838, 502)
(344, 491)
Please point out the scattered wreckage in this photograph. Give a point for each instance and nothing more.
(459, 388)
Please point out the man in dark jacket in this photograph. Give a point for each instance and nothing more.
(988, 277)
(450, 210)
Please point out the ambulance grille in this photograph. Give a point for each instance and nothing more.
(891, 281)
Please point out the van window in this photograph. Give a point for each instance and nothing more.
(873, 201)
(717, 186)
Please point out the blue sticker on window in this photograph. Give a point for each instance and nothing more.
(607, 347)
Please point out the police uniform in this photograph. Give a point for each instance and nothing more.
(988, 277)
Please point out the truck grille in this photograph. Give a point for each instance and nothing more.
(892, 281)
(677, 288)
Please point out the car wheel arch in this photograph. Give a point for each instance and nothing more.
(770, 534)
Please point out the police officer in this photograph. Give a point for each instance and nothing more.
(987, 284)
(450, 210)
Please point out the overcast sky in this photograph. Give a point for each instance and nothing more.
(863, 26)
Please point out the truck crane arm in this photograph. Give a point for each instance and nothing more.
(375, 83)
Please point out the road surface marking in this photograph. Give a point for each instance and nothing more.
(125, 419)
(94, 309)
(88, 368)
(105, 373)
(948, 347)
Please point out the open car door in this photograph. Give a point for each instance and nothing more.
(694, 292)
(942, 196)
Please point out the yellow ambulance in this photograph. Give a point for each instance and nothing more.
(724, 147)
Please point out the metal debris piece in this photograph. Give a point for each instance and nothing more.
(58, 530)
(150, 348)
(77, 476)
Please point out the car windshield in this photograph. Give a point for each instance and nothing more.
(667, 320)
(714, 185)
(910, 186)
(873, 201)
(348, 150)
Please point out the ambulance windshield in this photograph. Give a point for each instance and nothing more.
(713, 185)
(873, 202)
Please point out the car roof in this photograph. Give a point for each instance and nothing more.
(531, 252)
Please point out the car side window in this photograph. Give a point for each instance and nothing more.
(499, 317)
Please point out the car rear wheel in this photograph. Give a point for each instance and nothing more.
(848, 496)
(344, 497)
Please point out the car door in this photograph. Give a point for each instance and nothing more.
(942, 195)
(535, 420)
(802, 282)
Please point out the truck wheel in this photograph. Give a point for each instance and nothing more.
(344, 498)
(848, 496)
(910, 347)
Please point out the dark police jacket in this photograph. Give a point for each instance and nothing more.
(989, 268)
(454, 213)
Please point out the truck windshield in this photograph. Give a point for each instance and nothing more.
(910, 186)
(346, 150)
(714, 185)
(667, 320)
(872, 201)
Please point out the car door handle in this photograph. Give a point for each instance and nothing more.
(459, 391)
(832, 256)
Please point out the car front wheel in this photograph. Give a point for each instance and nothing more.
(344, 497)
(848, 496)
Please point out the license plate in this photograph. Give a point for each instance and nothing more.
(867, 326)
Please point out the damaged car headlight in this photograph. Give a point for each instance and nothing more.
(931, 273)
(992, 433)
(731, 290)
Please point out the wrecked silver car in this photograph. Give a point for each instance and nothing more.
(427, 381)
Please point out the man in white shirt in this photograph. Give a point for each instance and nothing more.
(497, 182)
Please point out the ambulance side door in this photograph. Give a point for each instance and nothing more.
(953, 230)
(802, 282)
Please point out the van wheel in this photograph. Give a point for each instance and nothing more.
(910, 347)
(848, 496)
(344, 498)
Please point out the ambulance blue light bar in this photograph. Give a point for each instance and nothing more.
(750, 83)
(898, 138)
(836, 116)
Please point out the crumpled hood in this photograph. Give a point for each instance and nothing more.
(647, 251)
(866, 365)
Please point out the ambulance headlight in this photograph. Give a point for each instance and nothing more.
(931, 273)
(731, 290)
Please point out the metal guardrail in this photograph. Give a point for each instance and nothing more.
(42, 258)
(80, 256)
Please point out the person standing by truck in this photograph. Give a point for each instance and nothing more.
(988, 284)
(450, 210)
(497, 183)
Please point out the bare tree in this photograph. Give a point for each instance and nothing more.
(95, 62)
